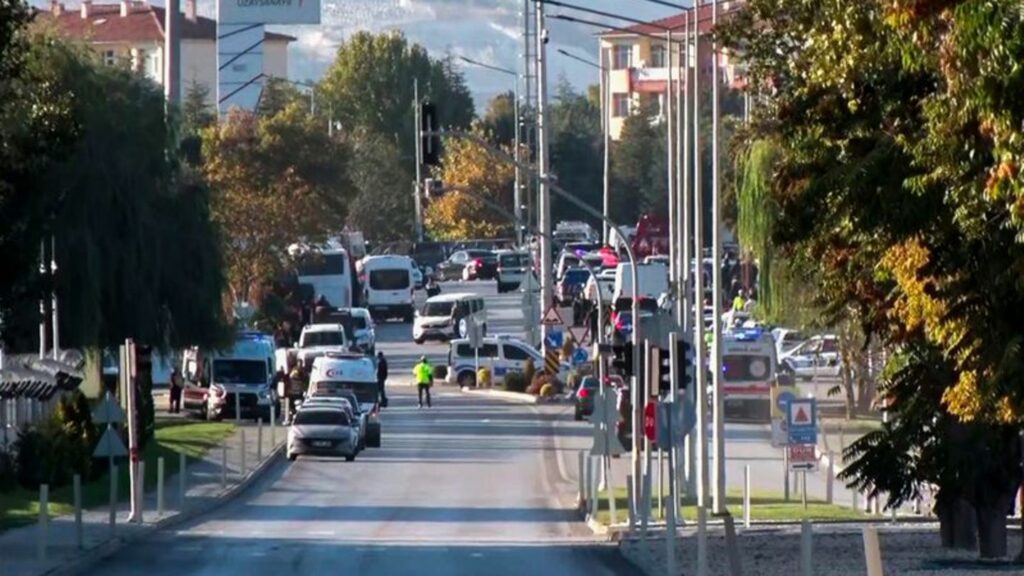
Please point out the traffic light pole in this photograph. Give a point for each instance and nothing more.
(417, 199)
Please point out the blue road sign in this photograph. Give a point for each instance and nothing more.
(554, 339)
(783, 400)
(802, 421)
(580, 356)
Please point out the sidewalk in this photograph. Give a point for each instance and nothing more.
(19, 546)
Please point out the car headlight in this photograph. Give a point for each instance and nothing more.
(264, 393)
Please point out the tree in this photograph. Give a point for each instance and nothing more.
(383, 205)
(460, 214)
(640, 181)
(499, 120)
(577, 152)
(276, 180)
(370, 86)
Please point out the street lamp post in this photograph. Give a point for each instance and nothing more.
(516, 196)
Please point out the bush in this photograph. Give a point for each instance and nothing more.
(28, 457)
(539, 381)
(58, 448)
(8, 472)
(547, 390)
(528, 373)
(516, 382)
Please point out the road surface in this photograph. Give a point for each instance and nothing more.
(472, 486)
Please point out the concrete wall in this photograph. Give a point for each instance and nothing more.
(275, 58)
(199, 65)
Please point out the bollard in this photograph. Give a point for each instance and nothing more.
(581, 461)
(806, 552)
(893, 518)
(613, 513)
(661, 483)
(702, 540)
(113, 500)
(645, 504)
(241, 449)
(587, 481)
(160, 486)
(182, 477)
(259, 440)
(273, 425)
(670, 540)
(223, 466)
(785, 476)
(238, 408)
(746, 496)
(77, 496)
(803, 488)
(44, 521)
(631, 512)
(872, 554)
(141, 491)
(830, 476)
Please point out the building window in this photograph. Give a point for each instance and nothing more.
(621, 57)
(620, 105)
(658, 57)
(109, 57)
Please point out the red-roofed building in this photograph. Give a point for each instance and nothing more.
(638, 64)
(131, 33)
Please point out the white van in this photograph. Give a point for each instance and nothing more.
(653, 280)
(220, 381)
(500, 354)
(388, 286)
(749, 366)
(448, 316)
(336, 372)
(327, 269)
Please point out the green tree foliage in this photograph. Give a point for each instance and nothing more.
(576, 151)
(499, 120)
(899, 131)
(383, 205)
(639, 159)
(370, 86)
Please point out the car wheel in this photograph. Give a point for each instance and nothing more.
(408, 318)
(350, 458)
(418, 340)
(467, 379)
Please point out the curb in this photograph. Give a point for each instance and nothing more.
(521, 397)
(89, 558)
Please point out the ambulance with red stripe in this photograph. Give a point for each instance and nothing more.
(749, 367)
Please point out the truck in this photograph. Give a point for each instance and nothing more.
(231, 383)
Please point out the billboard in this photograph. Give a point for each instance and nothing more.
(268, 11)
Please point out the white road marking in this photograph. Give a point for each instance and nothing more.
(321, 533)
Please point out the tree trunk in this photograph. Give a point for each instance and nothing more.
(957, 524)
(992, 528)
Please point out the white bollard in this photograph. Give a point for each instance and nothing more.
(587, 481)
(77, 496)
(806, 552)
(581, 476)
(182, 478)
(785, 475)
(803, 488)
(595, 464)
(241, 450)
(160, 486)
(259, 441)
(44, 521)
(746, 496)
(273, 425)
(872, 553)
(661, 483)
(702, 540)
(223, 466)
(629, 503)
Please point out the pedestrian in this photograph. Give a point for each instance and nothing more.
(280, 384)
(296, 387)
(177, 384)
(424, 378)
(382, 376)
(739, 301)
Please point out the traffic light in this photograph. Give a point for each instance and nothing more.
(622, 359)
(684, 362)
(430, 140)
(662, 370)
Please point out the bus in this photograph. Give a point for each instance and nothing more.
(328, 270)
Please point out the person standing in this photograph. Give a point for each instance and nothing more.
(382, 376)
(424, 378)
(177, 384)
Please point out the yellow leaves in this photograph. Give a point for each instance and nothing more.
(470, 172)
(964, 398)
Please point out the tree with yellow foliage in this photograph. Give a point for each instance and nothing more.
(469, 171)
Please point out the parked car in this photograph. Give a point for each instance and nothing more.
(324, 431)
(818, 356)
(481, 267)
(501, 354)
(447, 316)
(584, 397)
(512, 268)
(454, 267)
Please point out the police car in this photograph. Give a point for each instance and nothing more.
(500, 354)
(749, 367)
(337, 372)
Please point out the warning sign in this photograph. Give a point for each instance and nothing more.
(580, 334)
(802, 421)
(802, 457)
(552, 317)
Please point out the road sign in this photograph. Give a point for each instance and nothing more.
(108, 412)
(110, 444)
(552, 317)
(780, 436)
(802, 421)
(551, 361)
(554, 339)
(781, 397)
(683, 418)
(580, 356)
(580, 334)
(651, 421)
(604, 419)
(802, 457)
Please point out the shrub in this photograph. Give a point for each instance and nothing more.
(516, 382)
(483, 377)
(539, 381)
(547, 390)
(8, 471)
(528, 373)
(75, 422)
(28, 457)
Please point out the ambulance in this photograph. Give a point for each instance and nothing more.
(749, 368)
(334, 372)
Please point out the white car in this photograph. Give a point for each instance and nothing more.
(786, 339)
(324, 431)
(512, 269)
(500, 354)
(818, 356)
(363, 330)
(319, 339)
(352, 378)
(448, 316)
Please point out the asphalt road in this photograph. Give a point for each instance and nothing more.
(472, 486)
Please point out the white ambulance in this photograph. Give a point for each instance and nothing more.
(350, 372)
(749, 367)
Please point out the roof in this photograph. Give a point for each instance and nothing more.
(28, 376)
(679, 21)
(144, 23)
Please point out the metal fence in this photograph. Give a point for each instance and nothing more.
(16, 413)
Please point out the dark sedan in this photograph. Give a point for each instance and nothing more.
(455, 267)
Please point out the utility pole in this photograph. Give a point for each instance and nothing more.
(684, 314)
(718, 506)
(417, 202)
(528, 124)
(607, 127)
(544, 200)
(698, 298)
(517, 196)
(42, 302)
(53, 295)
(670, 165)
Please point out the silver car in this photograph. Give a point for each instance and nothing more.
(347, 401)
(322, 430)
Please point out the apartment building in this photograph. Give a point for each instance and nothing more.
(636, 58)
(131, 33)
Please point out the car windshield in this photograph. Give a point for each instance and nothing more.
(438, 308)
(576, 276)
(512, 260)
(240, 371)
(332, 338)
(393, 279)
(321, 418)
(365, 392)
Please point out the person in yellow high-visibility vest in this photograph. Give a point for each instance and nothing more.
(424, 379)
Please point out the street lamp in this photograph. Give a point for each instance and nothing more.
(606, 103)
(516, 198)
